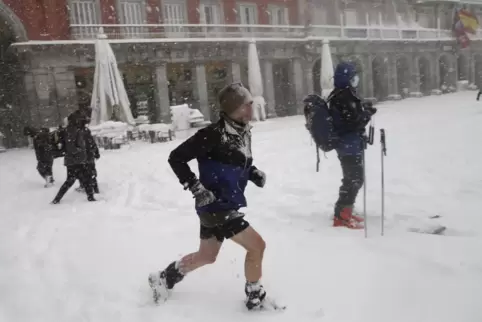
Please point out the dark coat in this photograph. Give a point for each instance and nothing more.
(349, 116)
(92, 148)
(41, 143)
(43, 146)
(74, 142)
(223, 152)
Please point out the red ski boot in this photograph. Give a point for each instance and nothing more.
(346, 219)
(357, 217)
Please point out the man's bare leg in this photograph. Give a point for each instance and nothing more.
(206, 254)
(253, 266)
(175, 272)
(255, 246)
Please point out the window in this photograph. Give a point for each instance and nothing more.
(174, 12)
(446, 18)
(375, 15)
(425, 17)
(354, 13)
(278, 15)
(132, 13)
(351, 17)
(319, 14)
(406, 14)
(248, 14)
(210, 14)
(84, 12)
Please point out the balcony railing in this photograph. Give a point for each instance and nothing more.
(149, 31)
(200, 31)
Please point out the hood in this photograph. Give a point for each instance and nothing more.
(344, 72)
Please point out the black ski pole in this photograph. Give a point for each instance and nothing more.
(364, 192)
(317, 159)
(383, 148)
(371, 134)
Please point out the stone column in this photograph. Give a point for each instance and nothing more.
(393, 92)
(454, 77)
(202, 91)
(471, 66)
(367, 89)
(309, 78)
(434, 71)
(269, 89)
(297, 82)
(236, 72)
(414, 72)
(163, 113)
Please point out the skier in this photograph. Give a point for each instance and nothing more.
(350, 117)
(479, 94)
(75, 157)
(43, 152)
(223, 152)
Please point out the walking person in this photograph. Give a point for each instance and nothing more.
(43, 151)
(92, 155)
(223, 153)
(350, 117)
(75, 157)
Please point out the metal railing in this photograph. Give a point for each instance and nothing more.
(224, 31)
(149, 31)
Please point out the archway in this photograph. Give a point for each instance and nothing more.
(444, 73)
(462, 68)
(424, 72)
(285, 101)
(403, 76)
(478, 70)
(14, 113)
(13, 23)
(380, 78)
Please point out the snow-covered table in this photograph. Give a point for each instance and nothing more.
(110, 134)
(157, 132)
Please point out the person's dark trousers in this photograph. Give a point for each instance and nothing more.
(352, 167)
(44, 168)
(74, 172)
(93, 177)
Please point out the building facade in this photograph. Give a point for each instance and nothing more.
(184, 51)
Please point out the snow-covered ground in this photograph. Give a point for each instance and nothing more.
(80, 261)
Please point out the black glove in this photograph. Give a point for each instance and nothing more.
(202, 195)
(368, 106)
(258, 177)
(371, 110)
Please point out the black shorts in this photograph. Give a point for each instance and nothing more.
(226, 230)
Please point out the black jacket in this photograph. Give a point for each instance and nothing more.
(74, 146)
(91, 146)
(350, 117)
(43, 146)
(223, 152)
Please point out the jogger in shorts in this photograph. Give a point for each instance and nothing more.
(223, 152)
